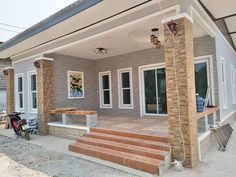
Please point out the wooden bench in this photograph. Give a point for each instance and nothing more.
(91, 116)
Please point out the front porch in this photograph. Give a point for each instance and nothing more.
(145, 125)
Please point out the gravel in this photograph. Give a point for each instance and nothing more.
(20, 158)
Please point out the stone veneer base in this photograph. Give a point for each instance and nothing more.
(66, 131)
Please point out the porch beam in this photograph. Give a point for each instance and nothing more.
(180, 87)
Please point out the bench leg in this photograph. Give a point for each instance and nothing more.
(91, 120)
(64, 116)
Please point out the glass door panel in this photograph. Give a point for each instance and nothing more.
(150, 92)
(155, 91)
(201, 82)
(161, 87)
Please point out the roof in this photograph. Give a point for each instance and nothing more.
(224, 16)
(52, 20)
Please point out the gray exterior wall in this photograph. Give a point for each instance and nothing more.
(134, 60)
(202, 46)
(3, 64)
(62, 64)
(223, 49)
(24, 67)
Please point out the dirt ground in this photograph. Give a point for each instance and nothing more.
(19, 158)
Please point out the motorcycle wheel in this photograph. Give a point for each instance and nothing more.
(27, 135)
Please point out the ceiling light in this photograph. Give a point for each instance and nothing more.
(101, 51)
(154, 38)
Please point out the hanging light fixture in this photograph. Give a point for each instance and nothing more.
(101, 51)
(154, 38)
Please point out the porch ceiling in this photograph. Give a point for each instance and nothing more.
(129, 38)
(223, 13)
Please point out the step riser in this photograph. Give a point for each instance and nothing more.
(131, 135)
(153, 146)
(112, 158)
(123, 149)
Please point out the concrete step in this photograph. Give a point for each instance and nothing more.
(138, 162)
(159, 138)
(132, 149)
(128, 140)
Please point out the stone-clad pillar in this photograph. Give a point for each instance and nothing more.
(9, 75)
(180, 50)
(44, 67)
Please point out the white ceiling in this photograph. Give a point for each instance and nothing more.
(128, 39)
(220, 8)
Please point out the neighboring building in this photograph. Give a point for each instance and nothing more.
(97, 56)
(3, 64)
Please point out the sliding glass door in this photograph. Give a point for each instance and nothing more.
(155, 91)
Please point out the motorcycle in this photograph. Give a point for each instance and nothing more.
(20, 126)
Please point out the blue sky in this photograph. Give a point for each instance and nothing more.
(25, 13)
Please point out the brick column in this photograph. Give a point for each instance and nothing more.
(9, 75)
(44, 68)
(182, 46)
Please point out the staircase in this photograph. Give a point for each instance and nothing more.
(143, 152)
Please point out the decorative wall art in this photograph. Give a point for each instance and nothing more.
(75, 84)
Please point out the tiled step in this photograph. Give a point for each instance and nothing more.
(132, 149)
(128, 140)
(159, 138)
(138, 162)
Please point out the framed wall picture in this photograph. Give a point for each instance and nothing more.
(75, 84)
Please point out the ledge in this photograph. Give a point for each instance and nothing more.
(58, 124)
(206, 112)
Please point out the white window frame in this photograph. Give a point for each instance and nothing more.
(17, 93)
(30, 104)
(120, 89)
(223, 83)
(102, 105)
(232, 75)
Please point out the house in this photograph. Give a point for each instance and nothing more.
(3, 64)
(137, 65)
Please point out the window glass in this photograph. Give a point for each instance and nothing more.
(125, 80)
(105, 81)
(33, 82)
(126, 96)
(20, 84)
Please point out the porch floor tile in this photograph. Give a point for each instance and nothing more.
(152, 126)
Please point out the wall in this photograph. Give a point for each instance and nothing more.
(223, 49)
(24, 67)
(61, 65)
(134, 60)
(202, 46)
(3, 64)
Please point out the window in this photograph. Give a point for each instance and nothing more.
(19, 92)
(125, 88)
(32, 92)
(105, 90)
(232, 74)
(223, 83)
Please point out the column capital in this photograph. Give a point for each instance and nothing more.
(176, 17)
(44, 58)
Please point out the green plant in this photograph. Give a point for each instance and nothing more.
(75, 83)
